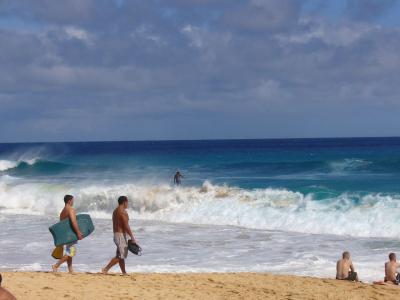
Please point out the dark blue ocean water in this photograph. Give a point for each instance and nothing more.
(320, 166)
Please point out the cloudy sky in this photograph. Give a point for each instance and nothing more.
(79, 70)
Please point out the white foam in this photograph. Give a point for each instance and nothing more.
(7, 164)
(11, 164)
(373, 215)
(348, 164)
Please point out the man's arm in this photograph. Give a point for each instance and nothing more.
(74, 222)
(127, 228)
(337, 270)
(351, 266)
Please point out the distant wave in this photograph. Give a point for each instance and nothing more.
(312, 166)
(370, 215)
(349, 164)
(31, 166)
(12, 164)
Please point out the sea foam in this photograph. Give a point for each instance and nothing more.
(370, 215)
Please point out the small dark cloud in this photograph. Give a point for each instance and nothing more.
(261, 15)
(367, 10)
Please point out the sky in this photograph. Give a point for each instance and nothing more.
(93, 70)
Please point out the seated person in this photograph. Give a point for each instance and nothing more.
(345, 269)
(391, 275)
(4, 294)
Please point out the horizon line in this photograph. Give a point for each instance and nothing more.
(205, 139)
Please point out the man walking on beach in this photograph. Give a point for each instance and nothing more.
(121, 228)
(391, 275)
(68, 212)
(345, 268)
(4, 294)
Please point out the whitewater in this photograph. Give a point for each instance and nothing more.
(283, 206)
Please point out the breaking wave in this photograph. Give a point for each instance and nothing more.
(12, 164)
(369, 215)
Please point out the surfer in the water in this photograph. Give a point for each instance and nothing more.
(177, 178)
(121, 229)
(68, 212)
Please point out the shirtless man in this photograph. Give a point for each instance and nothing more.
(177, 178)
(4, 294)
(391, 275)
(345, 268)
(69, 250)
(121, 229)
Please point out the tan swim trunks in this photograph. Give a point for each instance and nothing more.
(122, 245)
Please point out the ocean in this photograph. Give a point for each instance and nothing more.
(289, 206)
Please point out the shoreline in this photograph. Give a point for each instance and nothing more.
(48, 285)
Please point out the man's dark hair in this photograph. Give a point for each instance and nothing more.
(122, 199)
(1, 279)
(392, 256)
(67, 198)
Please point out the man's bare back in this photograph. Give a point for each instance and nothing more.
(391, 271)
(343, 267)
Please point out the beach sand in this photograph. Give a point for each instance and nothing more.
(49, 286)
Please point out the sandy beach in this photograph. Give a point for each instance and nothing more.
(42, 285)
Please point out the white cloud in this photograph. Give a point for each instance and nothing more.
(146, 32)
(193, 33)
(344, 34)
(73, 32)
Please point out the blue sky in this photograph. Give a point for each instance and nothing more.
(81, 70)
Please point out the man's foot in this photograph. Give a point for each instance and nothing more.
(104, 271)
(55, 268)
(125, 274)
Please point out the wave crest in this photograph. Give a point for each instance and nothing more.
(371, 215)
(12, 164)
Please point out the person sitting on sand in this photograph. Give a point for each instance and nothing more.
(4, 294)
(391, 275)
(345, 268)
(121, 228)
(69, 249)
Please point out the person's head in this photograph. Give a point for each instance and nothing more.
(1, 279)
(123, 200)
(68, 199)
(346, 255)
(392, 256)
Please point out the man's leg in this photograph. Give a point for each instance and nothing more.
(69, 262)
(111, 264)
(121, 262)
(59, 263)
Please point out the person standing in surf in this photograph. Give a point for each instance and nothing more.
(68, 212)
(177, 178)
(121, 229)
